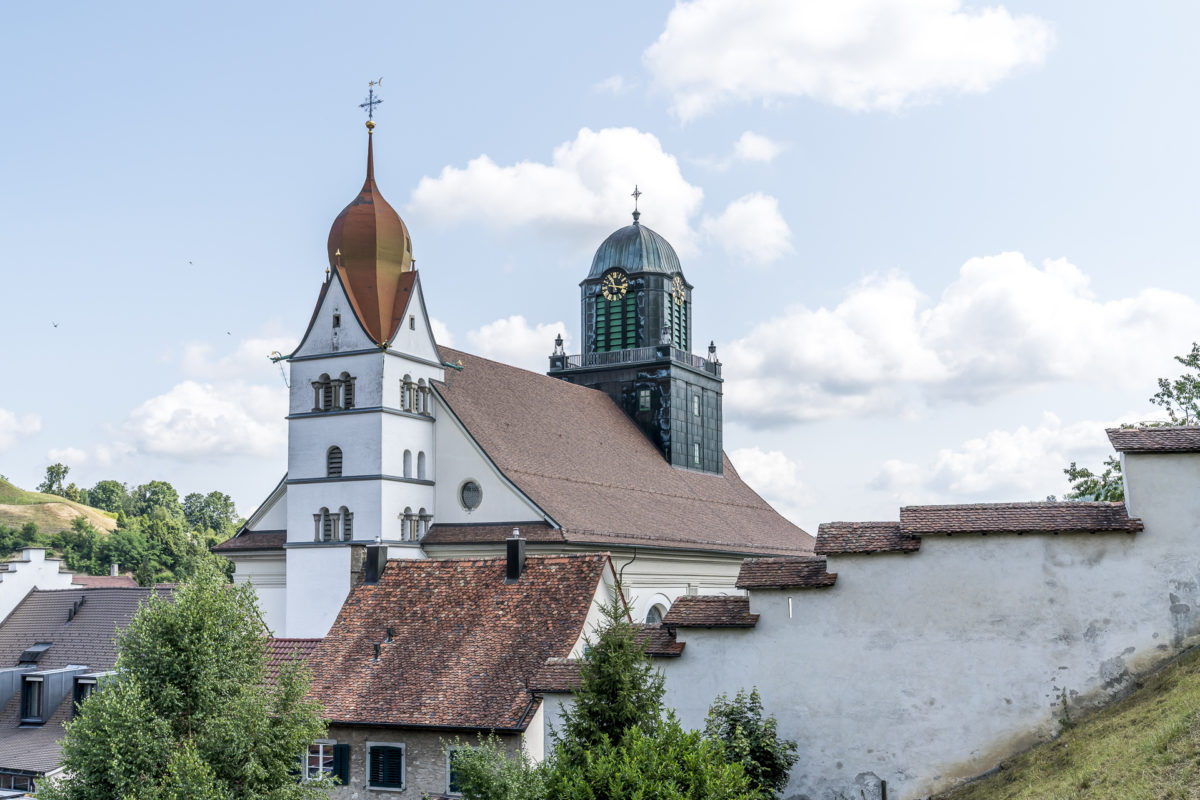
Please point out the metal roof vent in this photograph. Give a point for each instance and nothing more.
(34, 654)
(515, 548)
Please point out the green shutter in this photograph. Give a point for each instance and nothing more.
(341, 763)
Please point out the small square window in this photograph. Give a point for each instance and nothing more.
(337, 320)
(643, 400)
(385, 766)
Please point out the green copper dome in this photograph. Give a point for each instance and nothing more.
(635, 248)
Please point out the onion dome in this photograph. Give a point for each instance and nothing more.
(375, 251)
(635, 248)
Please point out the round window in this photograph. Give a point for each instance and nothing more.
(470, 495)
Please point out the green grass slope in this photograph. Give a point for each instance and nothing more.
(1145, 747)
(49, 512)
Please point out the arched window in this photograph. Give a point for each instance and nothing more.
(333, 462)
(408, 463)
(347, 390)
(655, 614)
(326, 526)
(421, 465)
(407, 525)
(423, 518)
(422, 397)
(347, 524)
(406, 393)
(326, 393)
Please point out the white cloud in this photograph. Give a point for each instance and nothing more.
(1024, 464)
(751, 146)
(202, 419)
(513, 341)
(1001, 325)
(614, 84)
(856, 54)
(13, 427)
(71, 456)
(250, 358)
(751, 229)
(582, 192)
(441, 334)
(774, 476)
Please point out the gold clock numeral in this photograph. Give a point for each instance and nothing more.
(614, 286)
(678, 291)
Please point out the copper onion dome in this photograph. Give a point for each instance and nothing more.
(376, 251)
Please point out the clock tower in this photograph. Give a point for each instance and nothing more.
(637, 336)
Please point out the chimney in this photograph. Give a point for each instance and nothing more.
(376, 561)
(114, 570)
(516, 557)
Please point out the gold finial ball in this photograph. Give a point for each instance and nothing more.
(370, 124)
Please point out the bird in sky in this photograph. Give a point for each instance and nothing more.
(55, 324)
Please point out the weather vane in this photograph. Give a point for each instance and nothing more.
(371, 100)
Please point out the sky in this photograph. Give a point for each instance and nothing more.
(939, 245)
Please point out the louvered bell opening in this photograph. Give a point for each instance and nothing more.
(333, 463)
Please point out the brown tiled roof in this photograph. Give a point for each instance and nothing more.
(280, 651)
(34, 748)
(710, 611)
(465, 644)
(863, 537)
(249, 540)
(488, 534)
(88, 639)
(104, 581)
(556, 675)
(660, 640)
(1174, 439)
(1060, 517)
(786, 572)
(623, 491)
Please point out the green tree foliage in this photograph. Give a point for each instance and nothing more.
(752, 740)
(214, 512)
(189, 713)
(53, 484)
(156, 499)
(1181, 397)
(1086, 485)
(109, 496)
(487, 771)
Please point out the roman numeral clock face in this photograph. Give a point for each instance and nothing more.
(614, 284)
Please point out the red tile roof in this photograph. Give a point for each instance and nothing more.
(863, 537)
(487, 534)
(710, 611)
(535, 428)
(249, 540)
(280, 651)
(557, 675)
(660, 641)
(465, 644)
(788, 572)
(1167, 439)
(104, 581)
(1053, 517)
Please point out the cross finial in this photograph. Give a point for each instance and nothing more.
(636, 194)
(371, 101)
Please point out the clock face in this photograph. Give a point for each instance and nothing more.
(678, 290)
(614, 284)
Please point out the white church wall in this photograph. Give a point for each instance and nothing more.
(318, 580)
(362, 498)
(272, 515)
(365, 368)
(415, 336)
(396, 497)
(29, 570)
(310, 438)
(928, 668)
(323, 337)
(400, 433)
(268, 574)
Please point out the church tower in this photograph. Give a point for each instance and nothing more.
(361, 416)
(636, 309)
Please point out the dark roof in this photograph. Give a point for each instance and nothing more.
(280, 651)
(556, 675)
(486, 534)
(863, 537)
(624, 493)
(635, 248)
(1172, 439)
(34, 748)
(88, 639)
(660, 640)
(710, 611)
(105, 581)
(788, 572)
(465, 643)
(1052, 517)
(249, 540)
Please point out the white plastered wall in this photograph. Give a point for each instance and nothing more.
(322, 337)
(318, 580)
(267, 573)
(29, 570)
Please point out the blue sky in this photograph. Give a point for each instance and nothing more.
(939, 245)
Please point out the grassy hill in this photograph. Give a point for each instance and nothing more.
(49, 512)
(1146, 747)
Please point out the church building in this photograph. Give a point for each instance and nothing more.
(437, 453)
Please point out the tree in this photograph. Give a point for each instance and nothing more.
(109, 496)
(189, 713)
(157, 499)
(53, 484)
(1085, 485)
(749, 739)
(214, 512)
(1181, 397)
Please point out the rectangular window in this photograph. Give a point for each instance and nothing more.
(385, 766)
(696, 453)
(695, 405)
(31, 700)
(327, 757)
(412, 323)
(337, 320)
(83, 690)
(643, 399)
(452, 785)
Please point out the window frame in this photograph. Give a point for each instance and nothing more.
(459, 494)
(323, 744)
(27, 682)
(403, 767)
(643, 399)
(450, 751)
